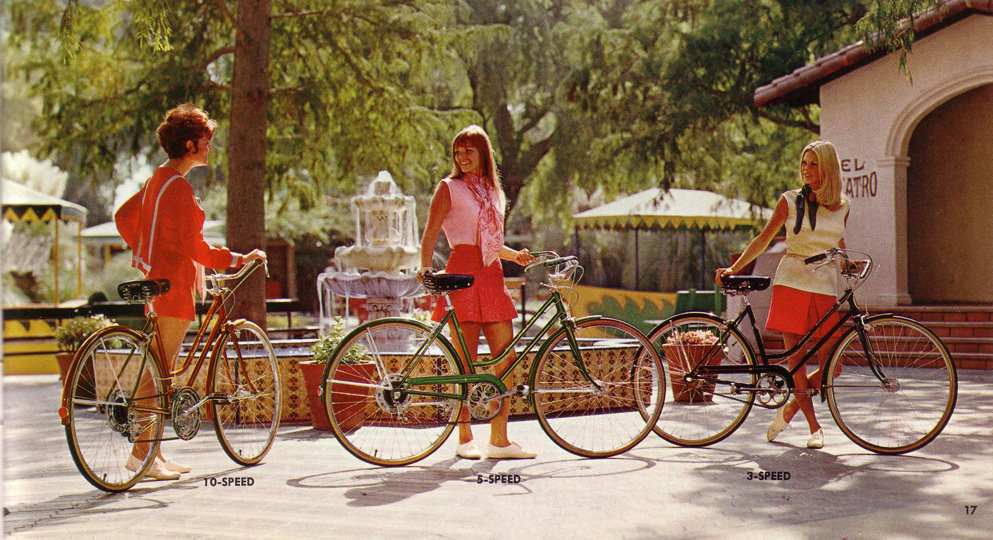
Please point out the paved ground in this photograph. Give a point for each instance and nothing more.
(310, 487)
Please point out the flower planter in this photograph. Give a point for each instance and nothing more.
(349, 401)
(312, 381)
(681, 358)
(86, 380)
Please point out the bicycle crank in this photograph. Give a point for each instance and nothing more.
(186, 413)
(484, 401)
(772, 390)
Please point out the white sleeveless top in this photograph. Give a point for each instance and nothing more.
(792, 272)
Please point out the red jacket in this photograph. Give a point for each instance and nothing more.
(163, 226)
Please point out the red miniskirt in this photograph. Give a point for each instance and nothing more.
(488, 300)
(796, 311)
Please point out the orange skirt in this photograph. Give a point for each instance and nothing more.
(796, 311)
(488, 300)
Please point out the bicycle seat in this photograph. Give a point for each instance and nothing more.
(442, 283)
(142, 290)
(743, 284)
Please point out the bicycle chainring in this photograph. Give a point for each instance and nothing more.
(185, 413)
(481, 402)
(773, 390)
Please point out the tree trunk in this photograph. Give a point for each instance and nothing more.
(247, 147)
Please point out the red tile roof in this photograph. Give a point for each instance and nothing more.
(801, 87)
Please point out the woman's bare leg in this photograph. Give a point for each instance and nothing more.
(498, 336)
(171, 332)
(470, 331)
(801, 400)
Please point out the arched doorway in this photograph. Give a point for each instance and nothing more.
(950, 202)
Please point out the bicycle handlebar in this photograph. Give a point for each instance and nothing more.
(550, 258)
(241, 273)
(858, 269)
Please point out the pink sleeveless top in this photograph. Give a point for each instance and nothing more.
(461, 224)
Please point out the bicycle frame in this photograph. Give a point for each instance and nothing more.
(152, 335)
(854, 314)
(560, 315)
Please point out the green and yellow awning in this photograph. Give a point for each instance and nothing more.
(676, 209)
(21, 203)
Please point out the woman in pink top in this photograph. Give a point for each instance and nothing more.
(469, 207)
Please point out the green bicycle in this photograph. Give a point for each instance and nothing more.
(395, 386)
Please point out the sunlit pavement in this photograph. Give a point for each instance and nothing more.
(308, 486)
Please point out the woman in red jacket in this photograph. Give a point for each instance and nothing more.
(163, 226)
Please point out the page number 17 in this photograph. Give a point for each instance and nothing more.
(970, 509)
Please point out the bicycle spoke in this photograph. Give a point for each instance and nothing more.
(702, 411)
(912, 402)
(245, 393)
(103, 434)
(385, 410)
(605, 401)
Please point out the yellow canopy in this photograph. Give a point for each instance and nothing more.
(21, 203)
(676, 209)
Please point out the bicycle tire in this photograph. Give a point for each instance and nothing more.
(913, 405)
(245, 392)
(598, 422)
(702, 412)
(374, 411)
(105, 390)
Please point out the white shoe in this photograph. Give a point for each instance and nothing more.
(172, 466)
(468, 450)
(513, 451)
(816, 439)
(156, 472)
(777, 426)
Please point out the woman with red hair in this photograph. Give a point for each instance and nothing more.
(163, 226)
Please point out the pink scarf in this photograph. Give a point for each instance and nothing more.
(490, 235)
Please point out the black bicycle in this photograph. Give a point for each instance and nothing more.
(890, 382)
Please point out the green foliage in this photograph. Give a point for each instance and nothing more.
(577, 95)
(881, 28)
(74, 332)
(323, 351)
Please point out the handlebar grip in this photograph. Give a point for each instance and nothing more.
(815, 258)
(559, 260)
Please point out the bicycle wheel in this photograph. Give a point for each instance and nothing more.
(245, 393)
(376, 405)
(600, 415)
(114, 398)
(706, 410)
(913, 401)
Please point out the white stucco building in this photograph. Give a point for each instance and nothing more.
(917, 154)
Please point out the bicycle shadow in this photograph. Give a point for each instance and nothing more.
(371, 487)
(96, 503)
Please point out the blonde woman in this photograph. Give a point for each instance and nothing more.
(815, 217)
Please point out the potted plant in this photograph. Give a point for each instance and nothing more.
(357, 367)
(685, 350)
(70, 336)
